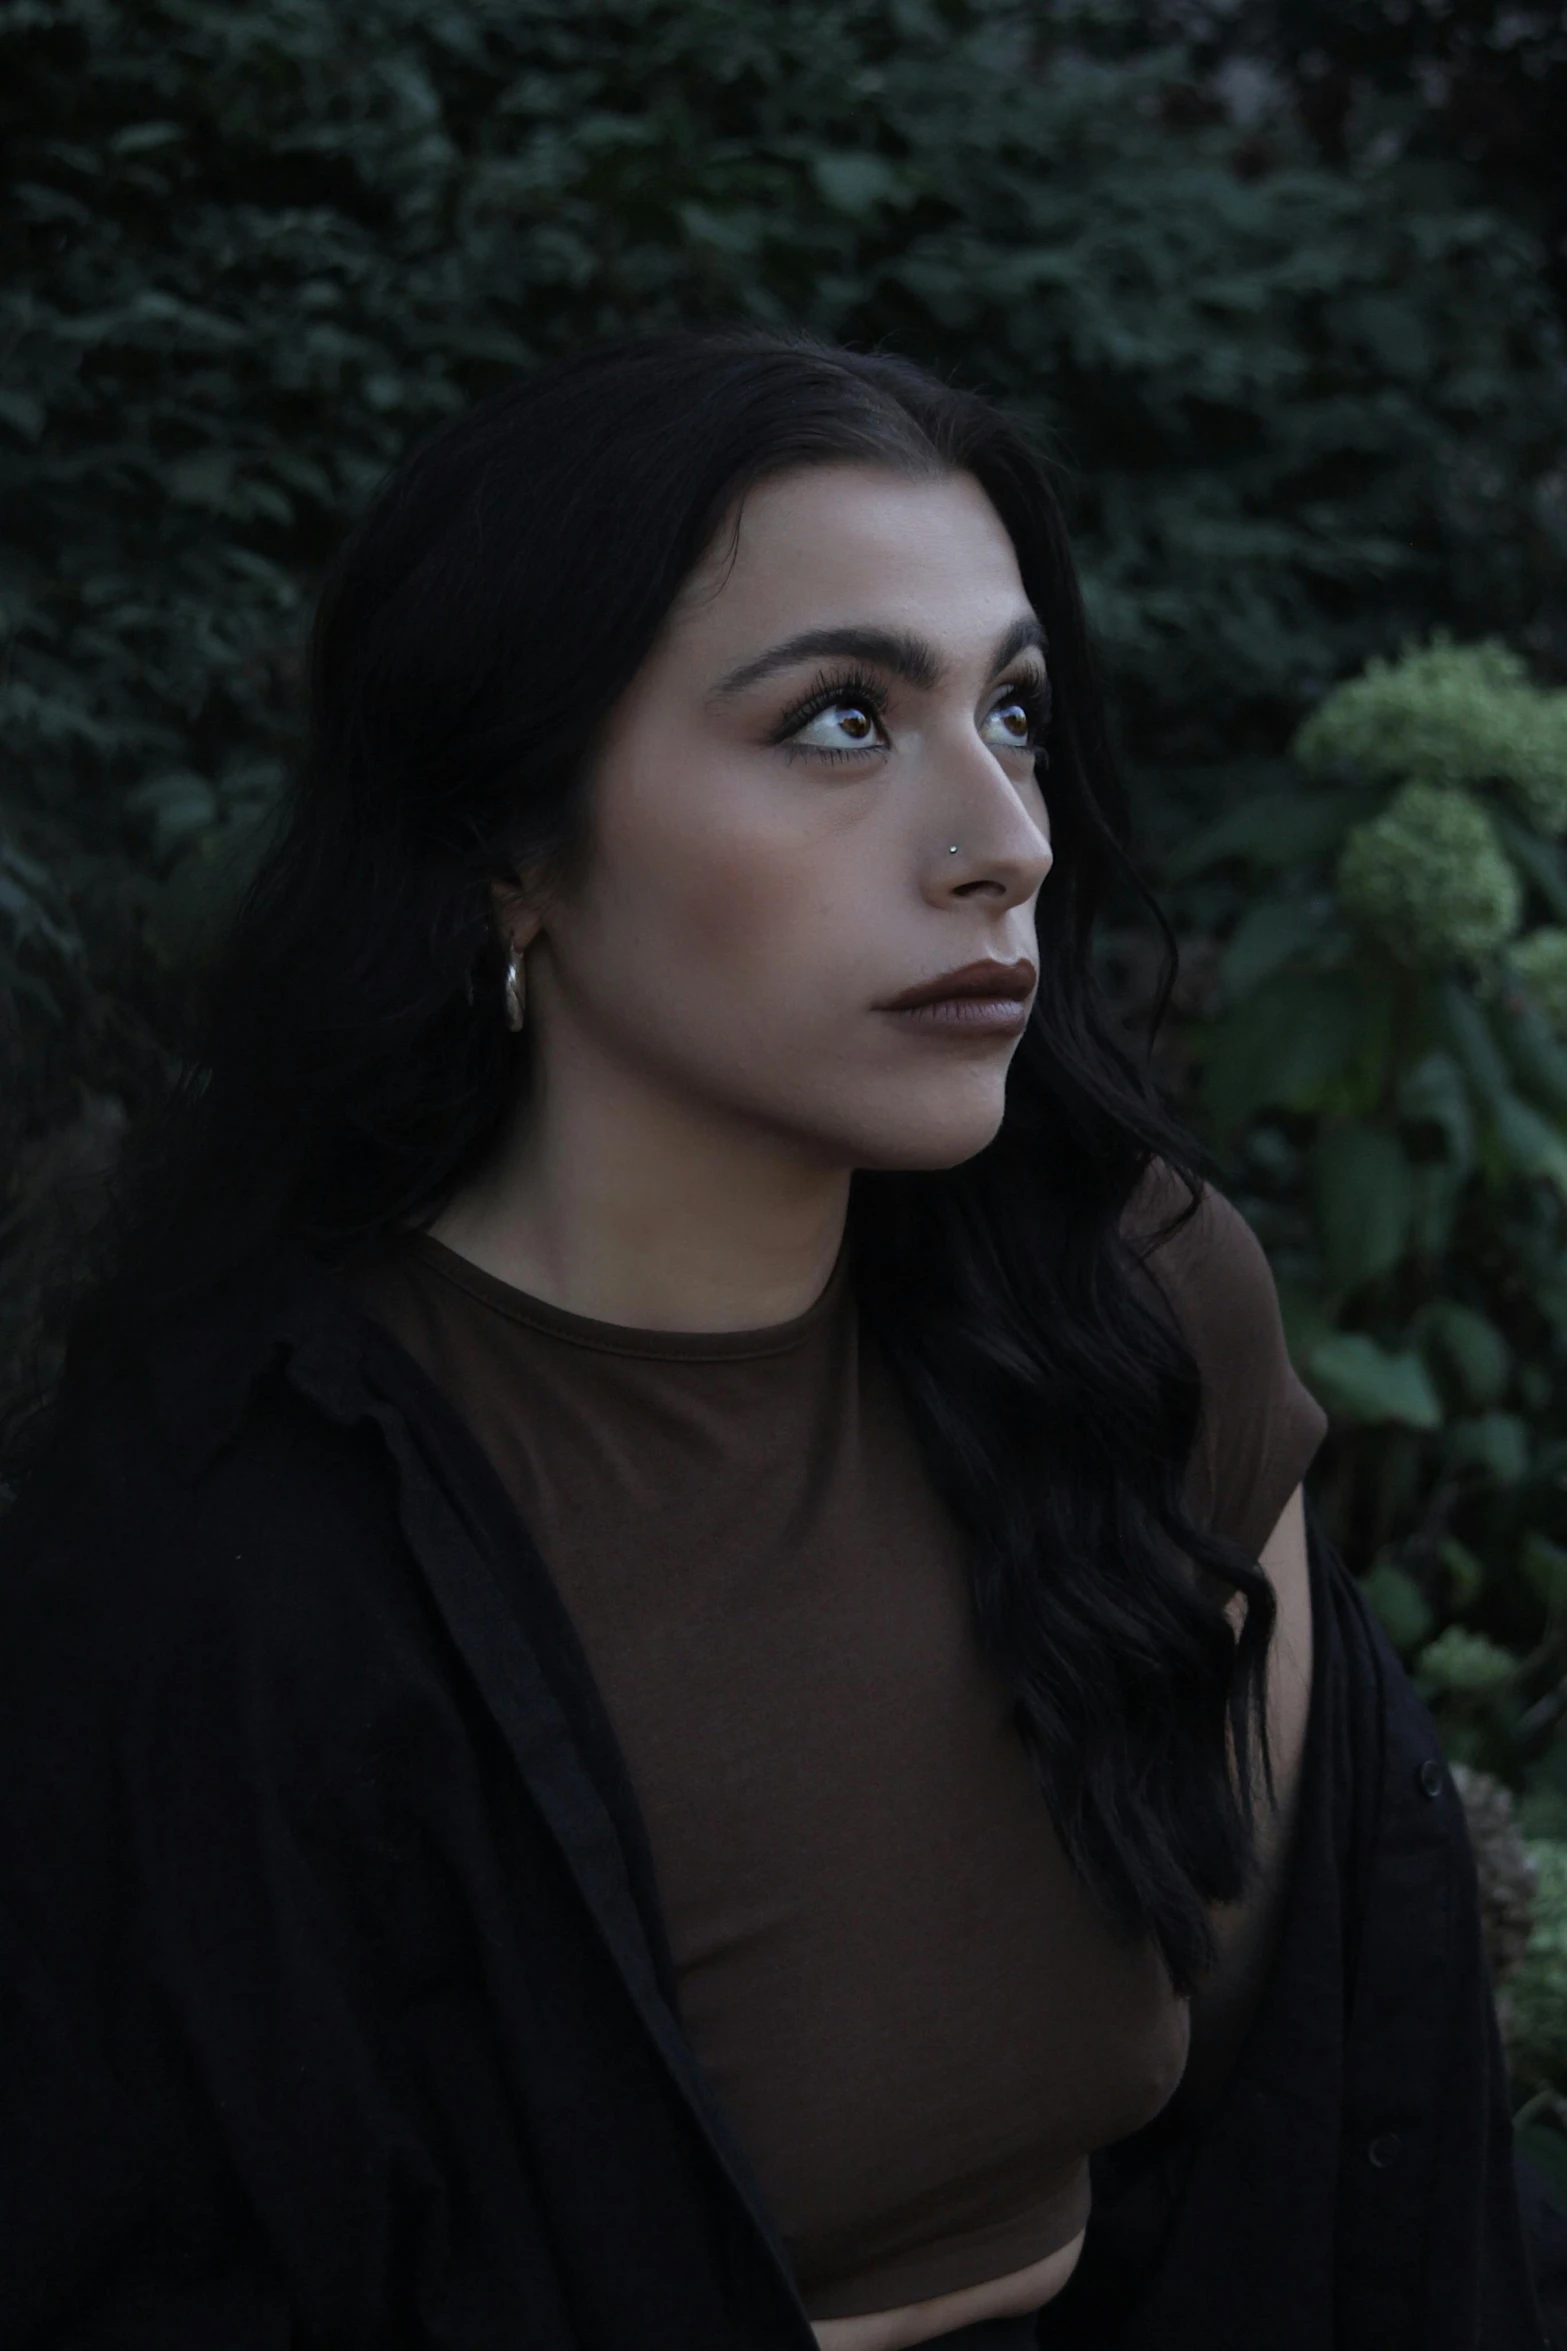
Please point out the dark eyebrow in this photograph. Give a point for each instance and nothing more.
(1027, 634)
(896, 650)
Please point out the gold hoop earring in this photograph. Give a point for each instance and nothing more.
(516, 993)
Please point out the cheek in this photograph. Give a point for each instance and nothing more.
(742, 904)
(715, 880)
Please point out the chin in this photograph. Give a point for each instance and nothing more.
(931, 1142)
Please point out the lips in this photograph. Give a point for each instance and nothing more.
(992, 981)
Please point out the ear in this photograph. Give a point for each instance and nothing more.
(518, 914)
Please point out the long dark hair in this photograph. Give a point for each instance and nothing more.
(354, 1069)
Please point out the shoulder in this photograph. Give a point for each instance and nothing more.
(1206, 1260)
(1259, 1431)
(1260, 1426)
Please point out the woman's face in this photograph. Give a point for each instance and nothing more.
(817, 794)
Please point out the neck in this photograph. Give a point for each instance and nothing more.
(615, 1201)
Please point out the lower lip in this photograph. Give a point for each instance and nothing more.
(966, 1016)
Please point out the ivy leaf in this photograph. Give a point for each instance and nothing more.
(858, 183)
(1362, 1195)
(1468, 1346)
(1469, 1034)
(1465, 1571)
(1433, 1102)
(22, 413)
(1287, 1044)
(1497, 1442)
(1543, 1566)
(1531, 1145)
(1278, 829)
(204, 479)
(1356, 1380)
(736, 233)
(1540, 862)
(177, 806)
(1399, 1604)
(1268, 936)
(1537, 1060)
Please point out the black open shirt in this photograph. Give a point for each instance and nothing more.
(336, 2003)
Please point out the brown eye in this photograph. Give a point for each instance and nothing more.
(843, 726)
(1010, 726)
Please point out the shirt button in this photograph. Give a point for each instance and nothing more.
(1429, 1777)
(1384, 2150)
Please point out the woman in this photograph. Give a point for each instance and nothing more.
(661, 1656)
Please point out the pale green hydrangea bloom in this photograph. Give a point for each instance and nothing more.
(1463, 1662)
(1541, 960)
(1537, 1992)
(1449, 714)
(1429, 879)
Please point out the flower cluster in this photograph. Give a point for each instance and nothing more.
(1537, 1993)
(1429, 879)
(1458, 1660)
(1451, 715)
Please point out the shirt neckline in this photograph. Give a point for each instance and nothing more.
(611, 1338)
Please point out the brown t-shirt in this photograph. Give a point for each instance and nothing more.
(913, 2015)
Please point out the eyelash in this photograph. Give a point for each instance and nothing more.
(856, 685)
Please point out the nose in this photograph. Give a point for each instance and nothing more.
(991, 845)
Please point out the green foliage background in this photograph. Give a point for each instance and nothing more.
(1283, 290)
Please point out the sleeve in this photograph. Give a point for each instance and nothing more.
(1260, 1427)
(121, 2228)
(249, 2066)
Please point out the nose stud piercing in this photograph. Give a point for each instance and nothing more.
(952, 852)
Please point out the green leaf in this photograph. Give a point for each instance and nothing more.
(1497, 1442)
(21, 412)
(1276, 829)
(735, 233)
(1529, 1143)
(1465, 1572)
(1400, 1605)
(1435, 1111)
(1268, 936)
(1356, 1380)
(142, 138)
(1437, 1191)
(1539, 861)
(1288, 1044)
(1434, 1104)
(1537, 1060)
(1468, 1346)
(1362, 1194)
(1543, 1566)
(178, 806)
(203, 479)
(1469, 1034)
(857, 184)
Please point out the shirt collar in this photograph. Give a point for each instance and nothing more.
(204, 1371)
